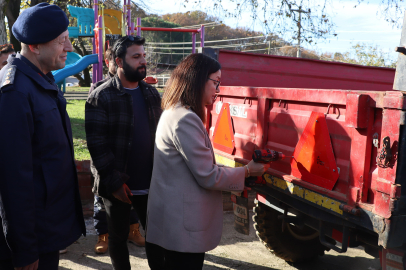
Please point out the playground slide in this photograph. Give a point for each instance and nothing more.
(72, 58)
(74, 68)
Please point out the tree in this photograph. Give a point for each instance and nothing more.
(220, 32)
(3, 31)
(12, 12)
(368, 55)
(13, 8)
(391, 10)
(79, 45)
(217, 32)
(159, 53)
(281, 17)
(155, 21)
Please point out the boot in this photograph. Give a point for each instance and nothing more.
(102, 244)
(135, 236)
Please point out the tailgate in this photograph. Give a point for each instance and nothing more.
(275, 118)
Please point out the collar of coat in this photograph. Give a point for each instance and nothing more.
(46, 81)
(116, 83)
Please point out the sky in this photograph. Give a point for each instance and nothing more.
(352, 25)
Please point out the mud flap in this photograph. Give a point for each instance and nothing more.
(240, 207)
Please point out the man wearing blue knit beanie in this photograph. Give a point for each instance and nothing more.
(40, 206)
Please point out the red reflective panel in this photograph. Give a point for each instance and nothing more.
(314, 160)
(223, 137)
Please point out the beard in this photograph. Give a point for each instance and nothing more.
(134, 75)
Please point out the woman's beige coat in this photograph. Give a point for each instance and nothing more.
(185, 207)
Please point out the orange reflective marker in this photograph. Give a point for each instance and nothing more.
(223, 136)
(314, 160)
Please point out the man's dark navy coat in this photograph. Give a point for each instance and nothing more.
(40, 204)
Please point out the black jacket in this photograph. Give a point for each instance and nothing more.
(109, 125)
(40, 203)
(97, 84)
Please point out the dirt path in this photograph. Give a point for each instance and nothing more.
(235, 252)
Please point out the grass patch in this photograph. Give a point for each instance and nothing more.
(76, 112)
(77, 89)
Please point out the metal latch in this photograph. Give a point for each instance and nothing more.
(384, 157)
(375, 140)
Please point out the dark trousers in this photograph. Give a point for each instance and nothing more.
(118, 218)
(100, 219)
(163, 259)
(47, 261)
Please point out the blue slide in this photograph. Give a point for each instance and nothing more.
(74, 64)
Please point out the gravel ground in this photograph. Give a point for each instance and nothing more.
(235, 252)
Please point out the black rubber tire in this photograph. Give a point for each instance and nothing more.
(293, 244)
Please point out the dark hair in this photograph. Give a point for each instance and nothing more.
(121, 45)
(187, 83)
(109, 54)
(6, 48)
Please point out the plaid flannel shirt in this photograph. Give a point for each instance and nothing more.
(109, 122)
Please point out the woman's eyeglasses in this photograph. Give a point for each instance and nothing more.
(218, 83)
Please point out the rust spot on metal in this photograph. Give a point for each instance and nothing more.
(349, 209)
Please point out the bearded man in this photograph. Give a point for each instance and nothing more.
(121, 119)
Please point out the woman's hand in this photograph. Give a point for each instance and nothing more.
(257, 169)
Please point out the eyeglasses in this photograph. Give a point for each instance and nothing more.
(218, 83)
(130, 38)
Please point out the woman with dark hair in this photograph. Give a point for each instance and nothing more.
(185, 206)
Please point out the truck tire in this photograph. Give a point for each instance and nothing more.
(293, 244)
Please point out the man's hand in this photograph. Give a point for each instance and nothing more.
(122, 194)
(33, 266)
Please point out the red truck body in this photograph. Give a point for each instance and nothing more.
(271, 100)
(259, 70)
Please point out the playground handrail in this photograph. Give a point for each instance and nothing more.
(159, 29)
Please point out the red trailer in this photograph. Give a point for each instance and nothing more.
(344, 125)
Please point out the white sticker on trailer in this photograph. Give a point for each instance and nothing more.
(394, 262)
(393, 257)
(235, 110)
